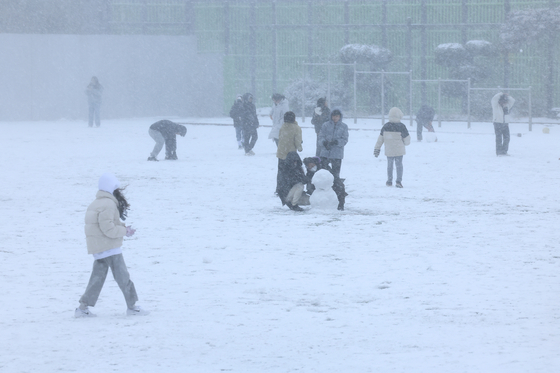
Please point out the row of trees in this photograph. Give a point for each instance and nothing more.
(477, 60)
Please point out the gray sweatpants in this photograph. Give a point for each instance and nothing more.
(99, 274)
(160, 141)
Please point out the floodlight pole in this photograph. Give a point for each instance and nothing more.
(355, 103)
(439, 102)
(329, 81)
(530, 111)
(410, 95)
(382, 97)
(303, 96)
(469, 101)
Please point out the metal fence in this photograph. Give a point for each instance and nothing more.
(267, 42)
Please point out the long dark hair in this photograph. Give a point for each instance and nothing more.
(123, 203)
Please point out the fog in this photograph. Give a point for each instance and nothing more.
(44, 76)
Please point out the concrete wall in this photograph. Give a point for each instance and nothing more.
(43, 77)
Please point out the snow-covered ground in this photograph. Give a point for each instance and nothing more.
(457, 272)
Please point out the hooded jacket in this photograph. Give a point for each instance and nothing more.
(103, 227)
(331, 131)
(236, 111)
(394, 135)
(498, 115)
(277, 113)
(289, 139)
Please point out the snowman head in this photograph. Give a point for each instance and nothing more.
(323, 179)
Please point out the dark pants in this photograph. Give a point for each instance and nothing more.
(502, 138)
(238, 133)
(398, 162)
(250, 137)
(420, 126)
(336, 164)
(94, 115)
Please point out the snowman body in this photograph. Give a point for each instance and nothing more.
(324, 196)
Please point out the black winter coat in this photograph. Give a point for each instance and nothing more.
(338, 184)
(236, 113)
(319, 119)
(290, 172)
(249, 113)
(425, 114)
(169, 131)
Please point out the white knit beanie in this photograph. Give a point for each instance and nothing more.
(108, 182)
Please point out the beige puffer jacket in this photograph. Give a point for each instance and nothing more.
(290, 140)
(104, 229)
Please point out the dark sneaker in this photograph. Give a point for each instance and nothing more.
(389, 183)
(398, 184)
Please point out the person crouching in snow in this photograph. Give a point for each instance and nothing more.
(290, 182)
(395, 137)
(314, 164)
(165, 132)
(104, 237)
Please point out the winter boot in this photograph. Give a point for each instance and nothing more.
(398, 184)
(150, 158)
(389, 183)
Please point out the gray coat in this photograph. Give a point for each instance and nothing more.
(94, 94)
(277, 113)
(329, 132)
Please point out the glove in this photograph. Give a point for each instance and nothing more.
(376, 152)
(129, 231)
(327, 145)
(334, 142)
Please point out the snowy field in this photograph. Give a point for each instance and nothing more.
(457, 272)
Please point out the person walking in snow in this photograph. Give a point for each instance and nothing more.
(280, 107)
(94, 90)
(104, 237)
(395, 137)
(314, 164)
(250, 123)
(501, 108)
(424, 118)
(165, 132)
(332, 139)
(235, 113)
(321, 114)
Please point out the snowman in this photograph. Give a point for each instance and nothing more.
(324, 196)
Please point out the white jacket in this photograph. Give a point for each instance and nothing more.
(277, 113)
(497, 110)
(104, 229)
